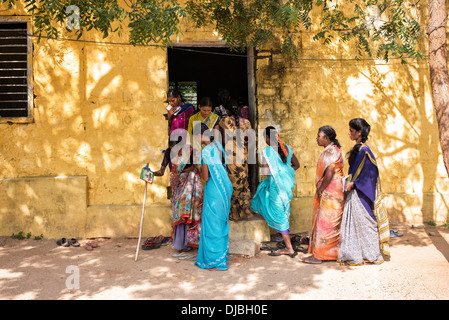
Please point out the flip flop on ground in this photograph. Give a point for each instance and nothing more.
(280, 252)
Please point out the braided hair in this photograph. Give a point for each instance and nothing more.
(361, 125)
(331, 134)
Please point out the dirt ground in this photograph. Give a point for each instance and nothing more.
(39, 269)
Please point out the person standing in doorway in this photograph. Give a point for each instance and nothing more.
(179, 113)
(234, 131)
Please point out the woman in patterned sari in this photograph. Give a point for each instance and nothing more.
(213, 251)
(364, 231)
(187, 196)
(273, 195)
(329, 199)
(237, 157)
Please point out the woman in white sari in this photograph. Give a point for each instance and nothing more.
(364, 232)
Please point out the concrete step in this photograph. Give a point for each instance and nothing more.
(255, 229)
(245, 237)
(245, 247)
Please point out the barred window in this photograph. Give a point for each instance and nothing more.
(188, 91)
(15, 89)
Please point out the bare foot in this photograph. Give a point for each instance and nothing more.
(249, 215)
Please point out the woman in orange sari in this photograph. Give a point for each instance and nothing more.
(329, 199)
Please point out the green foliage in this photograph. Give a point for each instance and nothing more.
(20, 236)
(253, 23)
(40, 237)
(154, 21)
(241, 23)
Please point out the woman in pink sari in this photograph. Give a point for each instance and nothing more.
(329, 199)
(179, 113)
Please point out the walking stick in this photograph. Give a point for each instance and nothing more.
(147, 176)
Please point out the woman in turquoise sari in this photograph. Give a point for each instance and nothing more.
(213, 251)
(273, 195)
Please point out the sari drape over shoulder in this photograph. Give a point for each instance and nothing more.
(210, 121)
(180, 120)
(328, 209)
(273, 195)
(365, 229)
(213, 251)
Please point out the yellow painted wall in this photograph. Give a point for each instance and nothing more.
(327, 87)
(98, 120)
(98, 114)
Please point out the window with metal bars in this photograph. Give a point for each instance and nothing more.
(14, 68)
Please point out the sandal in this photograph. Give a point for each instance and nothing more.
(395, 234)
(63, 242)
(166, 241)
(152, 244)
(179, 254)
(277, 253)
(89, 246)
(311, 260)
(92, 244)
(188, 257)
(73, 242)
(266, 247)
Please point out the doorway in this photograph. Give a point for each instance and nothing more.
(205, 71)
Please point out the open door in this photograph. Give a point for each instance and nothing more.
(205, 71)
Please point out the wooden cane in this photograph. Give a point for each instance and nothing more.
(141, 220)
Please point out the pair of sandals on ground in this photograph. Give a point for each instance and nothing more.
(64, 242)
(155, 242)
(297, 245)
(297, 241)
(185, 254)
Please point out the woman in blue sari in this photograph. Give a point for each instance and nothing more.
(364, 232)
(273, 195)
(213, 251)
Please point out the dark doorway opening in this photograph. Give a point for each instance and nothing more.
(204, 71)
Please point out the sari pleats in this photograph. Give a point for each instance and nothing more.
(213, 251)
(359, 240)
(328, 209)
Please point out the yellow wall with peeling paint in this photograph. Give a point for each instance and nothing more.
(324, 89)
(98, 114)
(98, 119)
